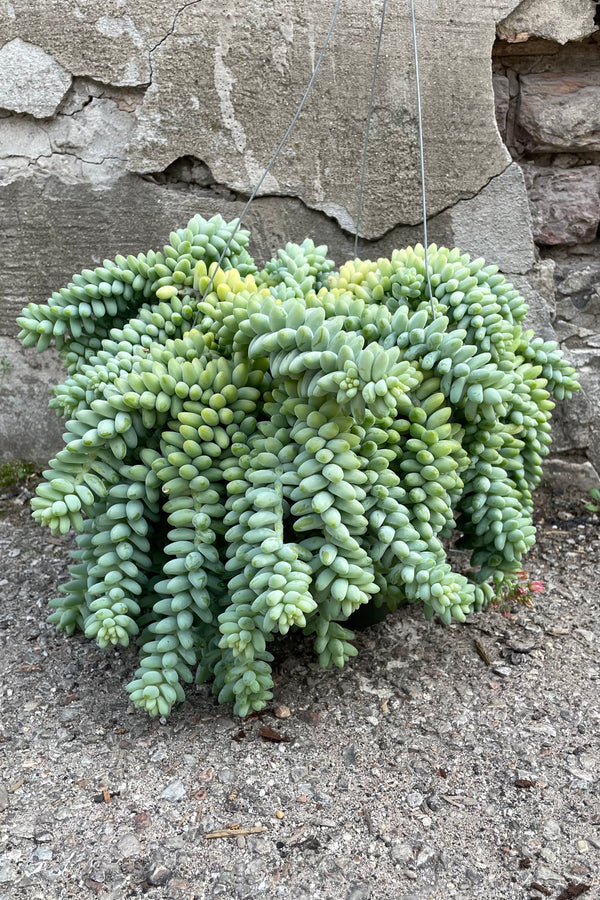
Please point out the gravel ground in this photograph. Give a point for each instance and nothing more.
(417, 772)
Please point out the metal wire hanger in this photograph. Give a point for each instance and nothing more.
(365, 146)
(421, 148)
(275, 154)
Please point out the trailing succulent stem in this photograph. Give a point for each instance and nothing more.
(249, 453)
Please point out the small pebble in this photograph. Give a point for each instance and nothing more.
(503, 671)
(129, 845)
(434, 802)
(158, 875)
(259, 843)
(349, 754)
(522, 645)
(8, 873)
(425, 856)
(42, 834)
(142, 820)
(401, 853)
(175, 842)
(414, 799)
(174, 792)
(586, 634)
(343, 862)
(583, 846)
(551, 829)
(226, 776)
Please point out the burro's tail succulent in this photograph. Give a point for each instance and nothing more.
(282, 450)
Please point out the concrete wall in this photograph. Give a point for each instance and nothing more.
(120, 120)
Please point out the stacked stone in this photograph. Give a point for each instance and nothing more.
(547, 86)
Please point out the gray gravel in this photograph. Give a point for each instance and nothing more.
(418, 772)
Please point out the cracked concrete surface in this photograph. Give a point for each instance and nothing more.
(109, 41)
(88, 145)
(538, 18)
(236, 105)
(95, 159)
(33, 82)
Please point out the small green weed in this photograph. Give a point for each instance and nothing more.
(11, 473)
(594, 507)
(5, 366)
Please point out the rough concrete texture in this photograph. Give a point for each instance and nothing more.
(21, 140)
(565, 203)
(538, 18)
(163, 119)
(110, 41)
(475, 223)
(417, 772)
(28, 430)
(33, 82)
(88, 145)
(560, 112)
(69, 226)
(76, 225)
(192, 106)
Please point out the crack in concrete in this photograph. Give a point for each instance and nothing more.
(106, 91)
(167, 35)
(217, 189)
(32, 166)
(415, 224)
(346, 229)
(89, 162)
(85, 103)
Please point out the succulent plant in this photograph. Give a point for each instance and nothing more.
(250, 453)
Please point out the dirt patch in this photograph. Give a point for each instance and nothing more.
(417, 772)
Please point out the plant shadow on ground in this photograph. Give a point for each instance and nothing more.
(556, 510)
(424, 771)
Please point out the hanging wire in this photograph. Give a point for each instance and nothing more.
(421, 150)
(366, 144)
(275, 155)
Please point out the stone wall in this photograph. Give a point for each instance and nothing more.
(120, 120)
(548, 112)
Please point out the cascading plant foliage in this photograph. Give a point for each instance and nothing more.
(290, 447)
